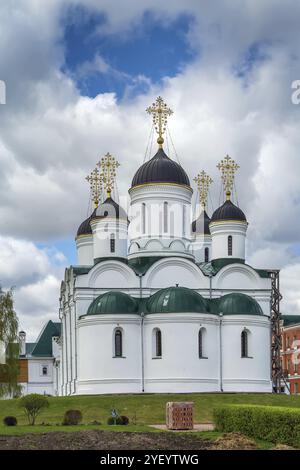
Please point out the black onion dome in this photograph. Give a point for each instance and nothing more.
(85, 227)
(160, 169)
(109, 208)
(201, 224)
(228, 211)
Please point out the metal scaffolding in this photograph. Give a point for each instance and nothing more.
(276, 297)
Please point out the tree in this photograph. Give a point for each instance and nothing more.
(9, 341)
(32, 405)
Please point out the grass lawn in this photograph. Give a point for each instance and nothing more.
(145, 409)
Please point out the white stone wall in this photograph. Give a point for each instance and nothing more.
(179, 369)
(103, 229)
(84, 246)
(37, 382)
(219, 235)
(150, 232)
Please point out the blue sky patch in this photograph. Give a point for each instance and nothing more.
(123, 63)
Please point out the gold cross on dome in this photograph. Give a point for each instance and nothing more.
(95, 180)
(108, 165)
(228, 168)
(160, 113)
(203, 181)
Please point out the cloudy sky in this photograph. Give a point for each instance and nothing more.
(79, 75)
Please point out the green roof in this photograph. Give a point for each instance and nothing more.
(43, 346)
(213, 267)
(289, 320)
(113, 302)
(173, 300)
(176, 299)
(236, 304)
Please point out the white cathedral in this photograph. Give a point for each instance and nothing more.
(159, 303)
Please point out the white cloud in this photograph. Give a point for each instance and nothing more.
(51, 137)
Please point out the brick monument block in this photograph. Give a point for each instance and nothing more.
(179, 415)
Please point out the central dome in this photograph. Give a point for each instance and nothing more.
(160, 169)
(176, 299)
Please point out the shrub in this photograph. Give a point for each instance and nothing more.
(124, 420)
(72, 418)
(33, 404)
(274, 424)
(120, 420)
(10, 421)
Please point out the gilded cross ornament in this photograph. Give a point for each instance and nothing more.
(203, 181)
(228, 168)
(160, 113)
(108, 166)
(95, 181)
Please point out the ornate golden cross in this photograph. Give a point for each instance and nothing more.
(228, 168)
(95, 180)
(108, 165)
(203, 181)
(160, 112)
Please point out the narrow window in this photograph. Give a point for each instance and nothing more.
(244, 343)
(45, 370)
(230, 245)
(206, 255)
(200, 343)
(112, 243)
(118, 343)
(158, 343)
(165, 217)
(143, 218)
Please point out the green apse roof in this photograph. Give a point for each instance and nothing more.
(236, 304)
(113, 302)
(176, 299)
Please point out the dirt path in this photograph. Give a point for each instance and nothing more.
(104, 440)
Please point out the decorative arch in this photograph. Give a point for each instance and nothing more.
(134, 247)
(171, 271)
(111, 273)
(238, 275)
(177, 245)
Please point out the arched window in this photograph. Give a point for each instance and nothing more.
(118, 343)
(206, 255)
(165, 217)
(45, 370)
(201, 343)
(244, 343)
(112, 243)
(230, 245)
(143, 218)
(156, 343)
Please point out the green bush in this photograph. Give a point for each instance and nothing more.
(10, 421)
(270, 423)
(120, 420)
(72, 418)
(32, 405)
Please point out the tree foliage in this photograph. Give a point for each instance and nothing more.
(9, 338)
(32, 405)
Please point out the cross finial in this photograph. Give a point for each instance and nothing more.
(203, 181)
(160, 113)
(108, 165)
(228, 167)
(95, 180)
